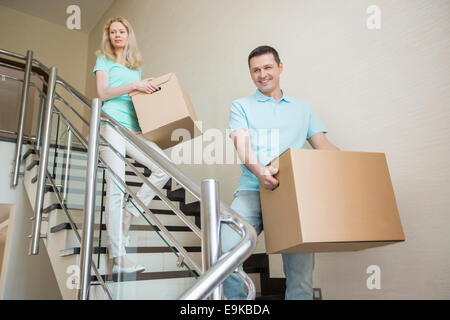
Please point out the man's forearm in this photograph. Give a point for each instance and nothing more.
(250, 161)
(328, 147)
(256, 169)
(320, 142)
(246, 154)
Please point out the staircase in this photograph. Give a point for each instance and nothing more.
(163, 278)
(172, 270)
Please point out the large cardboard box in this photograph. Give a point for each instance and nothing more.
(162, 112)
(330, 201)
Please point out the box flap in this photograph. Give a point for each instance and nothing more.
(162, 79)
(156, 82)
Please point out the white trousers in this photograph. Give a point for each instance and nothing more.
(114, 193)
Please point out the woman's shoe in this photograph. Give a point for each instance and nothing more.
(133, 269)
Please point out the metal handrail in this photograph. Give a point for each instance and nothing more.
(105, 142)
(155, 220)
(61, 201)
(43, 165)
(74, 227)
(23, 108)
(229, 262)
(177, 211)
(63, 204)
(12, 54)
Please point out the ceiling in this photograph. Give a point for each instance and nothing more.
(55, 10)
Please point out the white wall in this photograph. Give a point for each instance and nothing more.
(24, 277)
(384, 90)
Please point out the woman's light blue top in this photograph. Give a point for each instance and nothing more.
(119, 108)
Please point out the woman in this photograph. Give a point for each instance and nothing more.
(118, 72)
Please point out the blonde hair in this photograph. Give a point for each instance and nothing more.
(132, 54)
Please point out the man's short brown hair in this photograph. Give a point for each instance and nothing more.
(264, 50)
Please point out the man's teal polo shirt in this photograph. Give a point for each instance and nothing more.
(274, 127)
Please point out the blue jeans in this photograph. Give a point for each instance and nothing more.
(298, 267)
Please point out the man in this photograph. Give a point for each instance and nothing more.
(262, 127)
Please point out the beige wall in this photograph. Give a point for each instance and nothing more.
(382, 90)
(52, 44)
(57, 46)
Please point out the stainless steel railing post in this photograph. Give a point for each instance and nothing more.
(67, 169)
(43, 162)
(23, 110)
(206, 284)
(210, 225)
(40, 119)
(89, 202)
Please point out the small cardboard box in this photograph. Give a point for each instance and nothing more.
(330, 201)
(162, 112)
